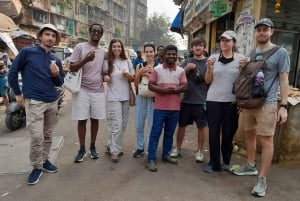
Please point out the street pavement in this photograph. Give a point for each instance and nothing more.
(128, 180)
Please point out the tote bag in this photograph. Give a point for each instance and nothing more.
(143, 89)
(72, 81)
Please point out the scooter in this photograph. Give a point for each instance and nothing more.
(16, 115)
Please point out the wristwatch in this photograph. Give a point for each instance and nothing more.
(284, 106)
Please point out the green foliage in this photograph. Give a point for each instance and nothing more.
(26, 2)
(156, 30)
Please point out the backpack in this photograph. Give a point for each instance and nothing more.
(243, 86)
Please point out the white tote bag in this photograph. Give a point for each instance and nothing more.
(72, 81)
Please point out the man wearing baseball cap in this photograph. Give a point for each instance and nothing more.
(261, 122)
(41, 72)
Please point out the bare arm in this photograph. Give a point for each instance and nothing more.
(284, 90)
(209, 72)
(168, 90)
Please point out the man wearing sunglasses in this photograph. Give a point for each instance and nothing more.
(89, 102)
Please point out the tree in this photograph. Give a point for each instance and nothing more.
(155, 30)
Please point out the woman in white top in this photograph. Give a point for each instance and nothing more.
(120, 71)
(222, 113)
(144, 107)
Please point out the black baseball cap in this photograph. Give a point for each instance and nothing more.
(264, 21)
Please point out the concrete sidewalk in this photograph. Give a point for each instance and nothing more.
(14, 154)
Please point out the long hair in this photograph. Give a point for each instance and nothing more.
(111, 56)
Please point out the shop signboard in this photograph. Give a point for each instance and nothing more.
(189, 11)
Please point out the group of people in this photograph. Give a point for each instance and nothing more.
(199, 90)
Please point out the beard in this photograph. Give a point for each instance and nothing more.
(262, 41)
(170, 62)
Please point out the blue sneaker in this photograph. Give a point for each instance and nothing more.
(34, 176)
(49, 167)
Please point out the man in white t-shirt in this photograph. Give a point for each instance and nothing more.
(89, 103)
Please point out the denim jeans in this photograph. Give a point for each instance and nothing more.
(144, 108)
(167, 119)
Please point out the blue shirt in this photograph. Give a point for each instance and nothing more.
(38, 82)
(137, 61)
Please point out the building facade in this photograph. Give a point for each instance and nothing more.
(209, 18)
(119, 18)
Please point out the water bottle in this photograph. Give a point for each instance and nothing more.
(259, 79)
(258, 85)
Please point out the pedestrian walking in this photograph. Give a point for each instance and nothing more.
(118, 77)
(167, 81)
(192, 107)
(260, 123)
(89, 102)
(222, 114)
(144, 105)
(41, 73)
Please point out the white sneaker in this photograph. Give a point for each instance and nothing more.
(175, 153)
(199, 156)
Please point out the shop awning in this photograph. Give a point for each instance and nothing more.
(7, 24)
(176, 24)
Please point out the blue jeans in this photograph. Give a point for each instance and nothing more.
(167, 119)
(144, 108)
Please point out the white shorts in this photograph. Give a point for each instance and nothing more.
(86, 105)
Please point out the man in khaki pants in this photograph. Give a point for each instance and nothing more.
(41, 72)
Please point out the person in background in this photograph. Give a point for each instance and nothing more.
(138, 59)
(119, 75)
(89, 103)
(144, 105)
(41, 73)
(4, 64)
(222, 113)
(160, 54)
(260, 123)
(192, 107)
(167, 81)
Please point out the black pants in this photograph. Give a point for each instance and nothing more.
(222, 117)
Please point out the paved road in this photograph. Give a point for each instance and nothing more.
(128, 180)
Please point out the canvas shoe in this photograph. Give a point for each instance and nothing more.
(245, 169)
(260, 187)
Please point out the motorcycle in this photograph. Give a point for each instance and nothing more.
(16, 115)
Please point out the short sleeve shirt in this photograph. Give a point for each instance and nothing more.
(166, 77)
(118, 89)
(91, 72)
(220, 89)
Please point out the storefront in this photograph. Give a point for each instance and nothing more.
(208, 19)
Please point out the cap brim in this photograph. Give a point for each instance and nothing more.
(226, 36)
(265, 24)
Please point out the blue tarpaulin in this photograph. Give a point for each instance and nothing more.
(176, 24)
